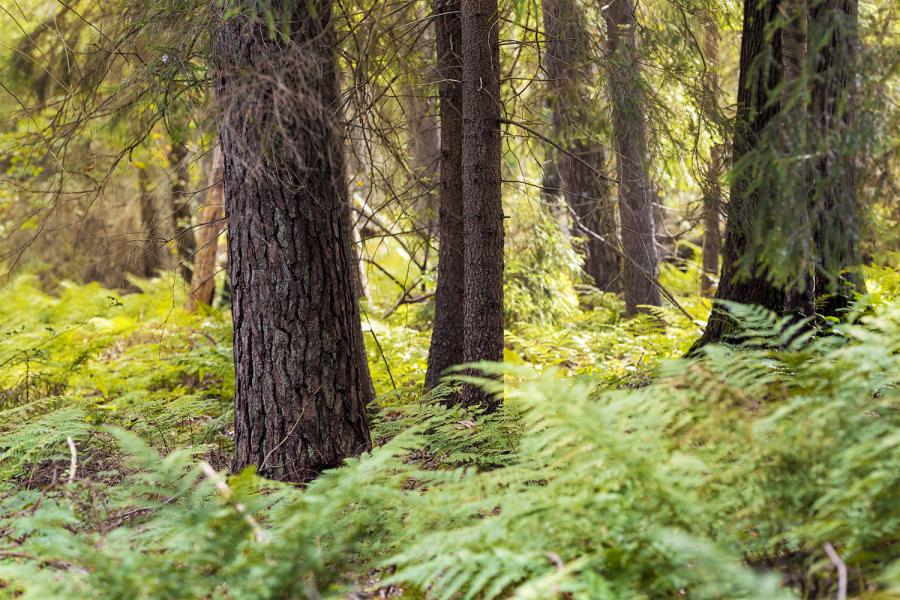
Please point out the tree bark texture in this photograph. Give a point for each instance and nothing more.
(833, 42)
(302, 381)
(641, 265)
(483, 226)
(759, 80)
(212, 222)
(567, 65)
(446, 349)
(181, 210)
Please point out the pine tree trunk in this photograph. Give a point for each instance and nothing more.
(212, 222)
(426, 138)
(567, 64)
(760, 76)
(550, 190)
(483, 209)
(301, 378)
(150, 245)
(446, 348)
(833, 32)
(800, 294)
(181, 210)
(641, 266)
(361, 279)
(712, 193)
(712, 200)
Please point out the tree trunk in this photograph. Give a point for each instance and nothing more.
(550, 190)
(301, 379)
(446, 348)
(567, 64)
(425, 136)
(760, 77)
(150, 245)
(361, 278)
(483, 209)
(212, 222)
(712, 200)
(181, 210)
(833, 35)
(712, 193)
(641, 266)
(800, 294)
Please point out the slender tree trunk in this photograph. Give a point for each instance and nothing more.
(712, 194)
(447, 335)
(760, 76)
(301, 379)
(181, 210)
(212, 222)
(833, 41)
(483, 209)
(355, 177)
(567, 64)
(426, 137)
(361, 279)
(150, 245)
(641, 265)
(712, 201)
(550, 195)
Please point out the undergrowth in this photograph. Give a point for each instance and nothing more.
(610, 471)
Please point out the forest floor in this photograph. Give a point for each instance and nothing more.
(616, 468)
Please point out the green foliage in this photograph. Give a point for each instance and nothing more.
(88, 356)
(764, 449)
(539, 273)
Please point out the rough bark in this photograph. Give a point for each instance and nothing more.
(759, 78)
(567, 65)
(212, 222)
(641, 265)
(301, 379)
(834, 39)
(446, 348)
(181, 210)
(483, 226)
(150, 259)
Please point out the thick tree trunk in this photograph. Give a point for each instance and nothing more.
(447, 337)
(567, 64)
(800, 294)
(302, 382)
(483, 209)
(833, 35)
(212, 222)
(181, 210)
(150, 259)
(760, 77)
(641, 266)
